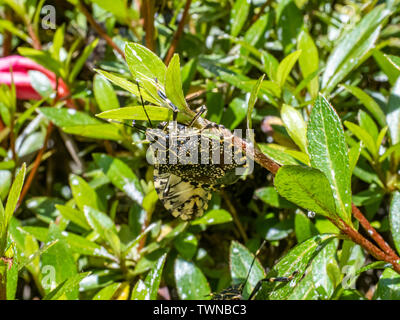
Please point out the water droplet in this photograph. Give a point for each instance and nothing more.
(310, 214)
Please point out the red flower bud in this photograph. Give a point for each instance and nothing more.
(20, 67)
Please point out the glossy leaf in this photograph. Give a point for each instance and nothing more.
(328, 152)
(297, 259)
(173, 83)
(104, 93)
(308, 61)
(120, 175)
(393, 114)
(190, 281)
(240, 262)
(353, 47)
(295, 125)
(212, 217)
(369, 103)
(155, 113)
(306, 187)
(239, 15)
(394, 218)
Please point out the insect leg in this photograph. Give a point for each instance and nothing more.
(276, 279)
(203, 109)
(169, 102)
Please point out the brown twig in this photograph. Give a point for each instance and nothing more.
(372, 232)
(386, 254)
(7, 36)
(36, 164)
(98, 28)
(258, 15)
(147, 10)
(34, 36)
(178, 33)
(235, 216)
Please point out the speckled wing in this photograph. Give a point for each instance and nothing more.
(184, 199)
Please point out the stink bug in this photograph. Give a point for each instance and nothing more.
(190, 162)
(235, 292)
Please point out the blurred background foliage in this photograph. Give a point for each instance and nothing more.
(89, 224)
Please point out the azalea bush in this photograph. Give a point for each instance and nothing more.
(317, 82)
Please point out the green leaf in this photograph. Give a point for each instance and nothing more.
(64, 288)
(25, 262)
(58, 264)
(76, 243)
(394, 218)
(148, 289)
(108, 292)
(252, 102)
(364, 136)
(388, 65)
(12, 200)
(173, 83)
(9, 26)
(76, 216)
(271, 197)
(235, 114)
(104, 93)
(117, 7)
(289, 23)
(67, 117)
(393, 113)
(127, 85)
(83, 193)
(369, 103)
(304, 228)
(103, 131)
(306, 187)
(144, 64)
(240, 261)
(238, 16)
(186, 244)
(353, 47)
(103, 226)
(354, 154)
(308, 61)
(368, 124)
(212, 217)
(83, 57)
(278, 154)
(388, 286)
(286, 66)
(120, 175)
(191, 283)
(295, 125)
(328, 153)
(40, 83)
(137, 113)
(43, 58)
(298, 259)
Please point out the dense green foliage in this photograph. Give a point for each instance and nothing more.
(318, 81)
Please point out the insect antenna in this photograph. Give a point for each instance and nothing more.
(141, 98)
(134, 125)
(254, 260)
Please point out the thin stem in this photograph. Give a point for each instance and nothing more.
(98, 28)
(262, 9)
(36, 164)
(147, 10)
(235, 216)
(372, 232)
(178, 33)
